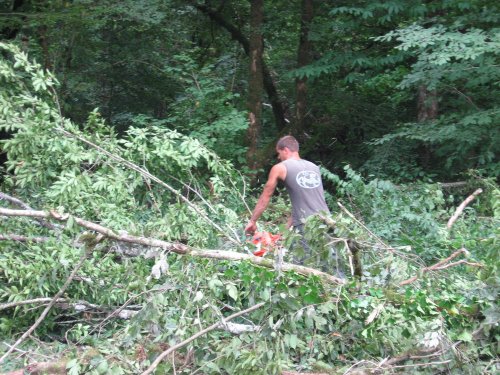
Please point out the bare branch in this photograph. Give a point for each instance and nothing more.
(78, 306)
(29, 302)
(463, 261)
(14, 201)
(451, 185)
(442, 264)
(198, 334)
(460, 208)
(268, 263)
(423, 364)
(109, 233)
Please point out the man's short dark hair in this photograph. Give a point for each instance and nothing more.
(289, 142)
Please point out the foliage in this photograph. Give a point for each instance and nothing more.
(85, 182)
(166, 63)
(206, 110)
(461, 63)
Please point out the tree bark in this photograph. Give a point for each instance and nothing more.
(44, 43)
(255, 81)
(303, 58)
(462, 206)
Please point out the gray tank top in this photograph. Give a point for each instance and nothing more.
(304, 185)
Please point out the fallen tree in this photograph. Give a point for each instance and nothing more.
(178, 248)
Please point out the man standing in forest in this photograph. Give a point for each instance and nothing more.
(303, 182)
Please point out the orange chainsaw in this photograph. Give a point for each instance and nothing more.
(264, 241)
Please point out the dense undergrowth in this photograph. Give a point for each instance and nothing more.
(396, 316)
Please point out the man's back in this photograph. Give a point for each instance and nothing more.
(303, 183)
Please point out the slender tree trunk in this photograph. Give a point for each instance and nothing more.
(255, 84)
(303, 58)
(427, 108)
(427, 104)
(44, 43)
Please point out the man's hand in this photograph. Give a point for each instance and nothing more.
(251, 227)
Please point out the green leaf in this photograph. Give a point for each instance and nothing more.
(465, 336)
(232, 291)
(293, 341)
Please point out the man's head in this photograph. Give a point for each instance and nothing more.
(287, 147)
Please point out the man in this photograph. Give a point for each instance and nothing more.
(303, 182)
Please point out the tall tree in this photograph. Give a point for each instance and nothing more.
(303, 59)
(255, 83)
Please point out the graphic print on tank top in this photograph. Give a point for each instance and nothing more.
(308, 179)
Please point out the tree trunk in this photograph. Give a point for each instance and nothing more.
(427, 108)
(255, 83)
(427, 104)
(269, 85)
(303, 58)
(44, 43)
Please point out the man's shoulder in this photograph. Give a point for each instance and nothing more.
(300, 162)
(279, 170)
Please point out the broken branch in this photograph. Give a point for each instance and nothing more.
(19, 238)
(78, 306)
(23, 205)
(443, 264)
(460, 208)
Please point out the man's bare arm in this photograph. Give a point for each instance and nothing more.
(278, 172)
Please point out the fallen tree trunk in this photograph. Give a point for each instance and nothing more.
(169, 246)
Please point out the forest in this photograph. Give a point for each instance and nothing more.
(136, 137)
